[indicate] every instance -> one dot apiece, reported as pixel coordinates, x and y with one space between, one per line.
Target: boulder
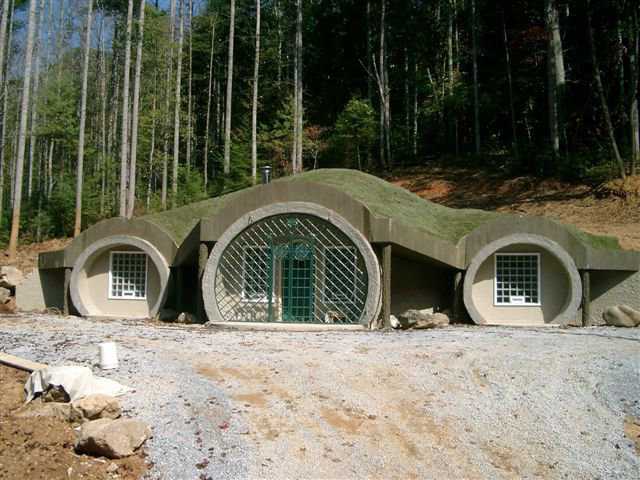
422 319
5 293
186 317
61 411
167 315
10 277
9 306
621 316
93 407
112 438
394 322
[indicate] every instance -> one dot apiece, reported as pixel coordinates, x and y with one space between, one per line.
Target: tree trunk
4 62
4 20
83 119
34 100
124 142
131 202
103 121
227 115
474 55
208 115
254 107
177 108
299 96
507 56
555 78
22 135
168 91
634 121
189 87
602 98
153 138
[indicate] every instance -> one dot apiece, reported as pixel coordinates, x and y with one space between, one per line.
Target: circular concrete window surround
575 295
86 308
374 298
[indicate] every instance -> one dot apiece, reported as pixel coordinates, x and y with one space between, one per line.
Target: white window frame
146 274
495 279
246 298
354 294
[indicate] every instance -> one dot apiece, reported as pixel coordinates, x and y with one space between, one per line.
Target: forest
120 107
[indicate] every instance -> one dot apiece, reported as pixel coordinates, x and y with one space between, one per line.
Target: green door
297 283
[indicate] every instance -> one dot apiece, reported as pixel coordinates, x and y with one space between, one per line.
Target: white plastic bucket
108 355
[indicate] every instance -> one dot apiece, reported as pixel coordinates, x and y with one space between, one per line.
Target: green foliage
355 131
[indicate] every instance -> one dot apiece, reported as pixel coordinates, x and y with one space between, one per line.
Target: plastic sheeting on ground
78 382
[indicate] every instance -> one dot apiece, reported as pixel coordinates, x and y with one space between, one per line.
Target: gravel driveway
461 402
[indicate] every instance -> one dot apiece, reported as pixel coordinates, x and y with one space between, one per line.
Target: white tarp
78 382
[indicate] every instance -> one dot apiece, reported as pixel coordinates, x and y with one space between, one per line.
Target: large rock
5 293
10 277
621 316
422 319
9 306
166 315
112 438
187 318
93 407
61 411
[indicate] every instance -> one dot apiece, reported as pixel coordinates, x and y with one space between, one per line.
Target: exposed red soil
42 448
27 256
613 209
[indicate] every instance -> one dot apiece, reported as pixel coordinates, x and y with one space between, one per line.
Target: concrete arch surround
570 308
374 293
79 296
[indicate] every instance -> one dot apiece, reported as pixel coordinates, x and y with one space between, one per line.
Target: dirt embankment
42 447
613 209
27 256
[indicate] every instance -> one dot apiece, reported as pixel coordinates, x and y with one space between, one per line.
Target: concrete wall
554 290
609 288
95 288
41 289
419 285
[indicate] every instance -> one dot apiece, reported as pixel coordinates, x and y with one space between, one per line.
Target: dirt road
462 402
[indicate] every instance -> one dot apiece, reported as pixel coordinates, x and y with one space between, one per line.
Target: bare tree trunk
299 90
227 115
131 203
476 97
4 62
4 20
83 119
189 93
254 107
124 145
165 160
103 120
177 108
634 121
34 100
602 98
22 136
278 15
507 56
153 138
414 136
556 78
208 116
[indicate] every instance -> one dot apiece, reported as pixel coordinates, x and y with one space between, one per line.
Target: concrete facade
184 252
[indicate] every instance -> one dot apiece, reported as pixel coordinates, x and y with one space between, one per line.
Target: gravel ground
460 402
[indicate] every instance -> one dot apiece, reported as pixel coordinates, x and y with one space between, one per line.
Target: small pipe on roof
265 174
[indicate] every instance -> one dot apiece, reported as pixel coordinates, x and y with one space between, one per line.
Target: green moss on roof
179 222
381 197
388 200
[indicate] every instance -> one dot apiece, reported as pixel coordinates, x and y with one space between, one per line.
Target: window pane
516 279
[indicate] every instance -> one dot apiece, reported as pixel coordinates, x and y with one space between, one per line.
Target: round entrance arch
137 288
292 262
554 298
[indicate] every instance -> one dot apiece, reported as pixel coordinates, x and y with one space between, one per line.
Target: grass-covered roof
381 197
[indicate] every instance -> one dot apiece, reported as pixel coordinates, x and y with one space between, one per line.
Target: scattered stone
9 306
61 411
10 277
167 315
186 317
422 319
93 407
112 468
621 316
5 293
55 393
112 438
394 322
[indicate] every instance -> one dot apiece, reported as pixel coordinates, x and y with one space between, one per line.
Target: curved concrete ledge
84 306
569 309
374 293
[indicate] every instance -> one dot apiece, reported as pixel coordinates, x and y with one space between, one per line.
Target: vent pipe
265 173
